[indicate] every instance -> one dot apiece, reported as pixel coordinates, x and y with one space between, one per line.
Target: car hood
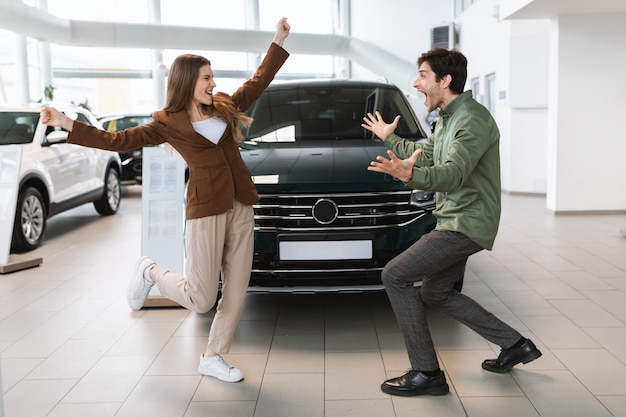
325 166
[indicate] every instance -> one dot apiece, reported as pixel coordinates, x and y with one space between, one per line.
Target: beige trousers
221 244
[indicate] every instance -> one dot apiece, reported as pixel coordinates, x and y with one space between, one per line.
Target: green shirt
460 162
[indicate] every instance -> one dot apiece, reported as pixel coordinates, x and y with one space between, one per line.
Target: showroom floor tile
70 346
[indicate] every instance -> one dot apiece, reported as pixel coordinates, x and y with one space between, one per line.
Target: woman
204 129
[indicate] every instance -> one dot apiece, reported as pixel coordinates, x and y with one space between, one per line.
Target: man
460 162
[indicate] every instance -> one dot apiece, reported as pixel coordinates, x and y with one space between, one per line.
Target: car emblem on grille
325 211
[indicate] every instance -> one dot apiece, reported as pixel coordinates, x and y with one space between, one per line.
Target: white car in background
55 176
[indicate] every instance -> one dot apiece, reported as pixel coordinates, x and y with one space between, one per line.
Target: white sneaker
140 283
217 367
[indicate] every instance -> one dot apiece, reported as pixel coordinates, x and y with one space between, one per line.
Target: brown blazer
217 173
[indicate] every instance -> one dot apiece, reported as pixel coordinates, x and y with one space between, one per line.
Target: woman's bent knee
204 306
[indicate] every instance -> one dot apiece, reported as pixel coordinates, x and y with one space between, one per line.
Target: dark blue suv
324 222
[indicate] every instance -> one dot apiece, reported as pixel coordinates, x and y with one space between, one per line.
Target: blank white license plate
327 250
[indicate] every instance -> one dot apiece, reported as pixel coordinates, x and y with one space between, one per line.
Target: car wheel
110 200
30 221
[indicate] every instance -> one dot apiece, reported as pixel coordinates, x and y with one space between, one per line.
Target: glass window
475 86
8 75
17 128
326 112
229 14
120 79
109 11
312 17
490 93
461 5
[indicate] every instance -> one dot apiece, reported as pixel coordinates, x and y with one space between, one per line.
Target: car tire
30 221
110 200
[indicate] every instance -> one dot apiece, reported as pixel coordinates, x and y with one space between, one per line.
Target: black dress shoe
416 383
508 358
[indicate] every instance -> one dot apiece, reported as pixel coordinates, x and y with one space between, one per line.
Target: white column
159 71
45 60
21 62
252 23
586 170
45 66
341 26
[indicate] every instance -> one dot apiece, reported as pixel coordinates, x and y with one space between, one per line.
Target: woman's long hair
180 88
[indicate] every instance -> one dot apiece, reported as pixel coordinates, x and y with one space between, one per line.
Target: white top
212 128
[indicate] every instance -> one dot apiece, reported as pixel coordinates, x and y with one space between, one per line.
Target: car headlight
422 199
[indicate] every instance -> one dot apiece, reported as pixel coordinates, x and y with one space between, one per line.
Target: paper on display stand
163 208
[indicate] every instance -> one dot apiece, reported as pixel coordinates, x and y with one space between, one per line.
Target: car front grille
341 211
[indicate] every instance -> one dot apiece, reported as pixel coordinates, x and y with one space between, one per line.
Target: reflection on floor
70 346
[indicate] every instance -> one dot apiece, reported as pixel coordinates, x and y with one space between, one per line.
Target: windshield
326 112
17 127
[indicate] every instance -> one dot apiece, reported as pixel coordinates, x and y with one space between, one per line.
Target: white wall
586 111
401 27
526 106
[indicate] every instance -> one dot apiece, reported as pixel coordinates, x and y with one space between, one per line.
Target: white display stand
163 214
10 161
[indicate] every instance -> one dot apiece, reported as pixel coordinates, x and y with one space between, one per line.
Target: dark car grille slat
355 211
